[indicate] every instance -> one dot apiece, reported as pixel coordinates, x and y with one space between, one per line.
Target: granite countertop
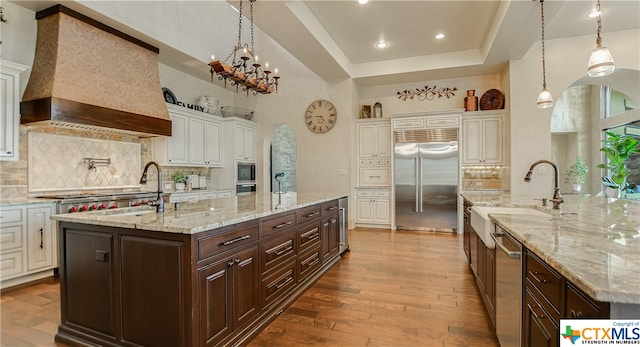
199 216
593 241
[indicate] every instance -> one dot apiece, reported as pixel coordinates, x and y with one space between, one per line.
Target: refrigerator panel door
406 188
439 186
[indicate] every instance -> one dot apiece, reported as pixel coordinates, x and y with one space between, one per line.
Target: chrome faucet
159 204
557 198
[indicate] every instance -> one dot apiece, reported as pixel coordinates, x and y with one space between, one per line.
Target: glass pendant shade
545 100
600 62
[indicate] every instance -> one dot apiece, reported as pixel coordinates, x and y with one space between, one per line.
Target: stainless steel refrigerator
426 179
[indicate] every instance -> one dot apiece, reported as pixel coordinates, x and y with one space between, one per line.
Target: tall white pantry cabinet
373 203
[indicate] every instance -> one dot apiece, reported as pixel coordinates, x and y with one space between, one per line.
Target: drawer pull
312 214
283 251
533 311
314 262
311 234
535 274
282 225
575 314
241 238
332 208
280 285
374 176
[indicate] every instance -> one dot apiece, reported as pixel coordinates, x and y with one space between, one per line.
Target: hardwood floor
393 289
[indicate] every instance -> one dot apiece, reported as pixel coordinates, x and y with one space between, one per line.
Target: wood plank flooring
393 289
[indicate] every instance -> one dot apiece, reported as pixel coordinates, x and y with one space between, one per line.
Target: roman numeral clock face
321 116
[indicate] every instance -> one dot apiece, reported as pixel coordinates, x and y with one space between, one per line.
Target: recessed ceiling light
363 1
594 13
440 36
382 44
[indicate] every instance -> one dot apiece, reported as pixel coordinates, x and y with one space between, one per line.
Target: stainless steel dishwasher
508 288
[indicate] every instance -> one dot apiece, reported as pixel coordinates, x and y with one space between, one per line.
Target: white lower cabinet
28 243
372 206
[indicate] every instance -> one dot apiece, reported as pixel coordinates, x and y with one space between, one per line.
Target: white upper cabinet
482 140
9 108
196 139
374 140
245 141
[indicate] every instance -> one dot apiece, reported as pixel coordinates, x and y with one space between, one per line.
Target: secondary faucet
557 198
159 204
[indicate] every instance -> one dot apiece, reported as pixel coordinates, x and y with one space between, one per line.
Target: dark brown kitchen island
212 273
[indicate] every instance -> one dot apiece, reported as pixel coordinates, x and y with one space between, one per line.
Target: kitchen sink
484 226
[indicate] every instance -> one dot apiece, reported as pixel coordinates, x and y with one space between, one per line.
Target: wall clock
320 116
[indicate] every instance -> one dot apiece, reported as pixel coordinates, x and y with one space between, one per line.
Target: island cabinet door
229 295
329 237
539 330
152 300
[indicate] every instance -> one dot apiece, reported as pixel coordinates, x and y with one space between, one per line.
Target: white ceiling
336 38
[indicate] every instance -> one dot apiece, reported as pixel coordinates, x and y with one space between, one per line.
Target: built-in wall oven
508 288
246 172
245 188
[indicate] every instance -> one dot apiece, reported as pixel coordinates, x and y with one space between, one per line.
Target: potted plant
617 149
180 179
576 175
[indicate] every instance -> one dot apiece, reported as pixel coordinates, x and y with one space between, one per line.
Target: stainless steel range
72 203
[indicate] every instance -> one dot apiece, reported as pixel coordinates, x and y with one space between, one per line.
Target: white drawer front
382 193
408 124
443 122
375 176
225 193
208 196
11 237
10 216
11 264
184 198
364 193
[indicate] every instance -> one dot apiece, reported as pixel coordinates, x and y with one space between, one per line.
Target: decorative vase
471 101
577 187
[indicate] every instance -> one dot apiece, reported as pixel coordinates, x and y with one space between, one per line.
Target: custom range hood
87 75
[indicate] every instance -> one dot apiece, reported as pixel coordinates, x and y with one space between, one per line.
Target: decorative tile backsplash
57 162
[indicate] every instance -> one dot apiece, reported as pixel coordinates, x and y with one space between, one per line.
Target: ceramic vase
471 101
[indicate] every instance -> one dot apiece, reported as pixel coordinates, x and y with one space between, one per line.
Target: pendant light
545 100
601 61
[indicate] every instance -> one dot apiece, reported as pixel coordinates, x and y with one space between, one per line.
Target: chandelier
243 72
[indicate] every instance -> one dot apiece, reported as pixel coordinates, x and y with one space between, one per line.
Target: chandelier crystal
601 61
545 100
245 71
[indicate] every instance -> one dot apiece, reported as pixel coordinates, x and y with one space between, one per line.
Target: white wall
566 62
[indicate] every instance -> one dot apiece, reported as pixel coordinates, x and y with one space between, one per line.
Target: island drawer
330 207
309 262
309 213
546 280
216 244
580 306
308 234
278 283
277 224
277 249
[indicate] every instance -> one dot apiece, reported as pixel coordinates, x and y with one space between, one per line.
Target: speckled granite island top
199 216
594 242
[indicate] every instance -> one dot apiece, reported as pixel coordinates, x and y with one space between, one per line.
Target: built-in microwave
246 172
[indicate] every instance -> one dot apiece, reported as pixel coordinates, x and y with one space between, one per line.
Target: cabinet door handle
332 220
282 225
535 277
575 314
241 238
280 285
230 263
312 214
533 311
41 238
283 251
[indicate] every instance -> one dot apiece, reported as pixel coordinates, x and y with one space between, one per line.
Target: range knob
136 203
93 207
102 206
73 209
83 208
113 206
144 202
